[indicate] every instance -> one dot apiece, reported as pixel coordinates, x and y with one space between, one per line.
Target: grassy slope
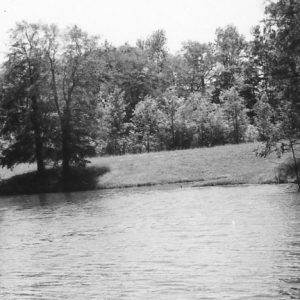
228 164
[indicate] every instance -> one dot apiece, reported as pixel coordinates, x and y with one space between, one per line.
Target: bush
286 171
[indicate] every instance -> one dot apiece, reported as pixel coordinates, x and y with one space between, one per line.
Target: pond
165 243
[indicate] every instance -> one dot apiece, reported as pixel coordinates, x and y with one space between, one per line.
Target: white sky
120 21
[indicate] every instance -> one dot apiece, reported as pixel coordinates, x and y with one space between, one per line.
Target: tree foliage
49 96
276 48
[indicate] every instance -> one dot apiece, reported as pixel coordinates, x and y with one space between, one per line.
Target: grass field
221 165
229 164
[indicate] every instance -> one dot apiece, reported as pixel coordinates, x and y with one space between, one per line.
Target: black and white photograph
149 149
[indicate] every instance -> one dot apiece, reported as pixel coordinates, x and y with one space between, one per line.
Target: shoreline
197 183
217 166
190 183
182 184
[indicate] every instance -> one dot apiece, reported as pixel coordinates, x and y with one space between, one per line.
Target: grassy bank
229 164
221 165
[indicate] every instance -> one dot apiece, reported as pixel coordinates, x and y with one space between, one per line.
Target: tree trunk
36 123
180 139
148 142
65 159
236 129
39 156
295 165
37 136
173 133
66 149
202 84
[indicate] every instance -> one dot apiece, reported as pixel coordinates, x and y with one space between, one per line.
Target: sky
121 21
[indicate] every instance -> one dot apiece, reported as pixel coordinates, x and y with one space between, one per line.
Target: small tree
283 136
170 104
146 118
264 116
236 113
114 120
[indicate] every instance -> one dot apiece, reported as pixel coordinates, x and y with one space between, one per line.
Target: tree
146 119
72 63
114 120
229 51
50 97
280 66
129 69
155 47
170 104
25 107
199 59
283 136
264 117
205 120
234 109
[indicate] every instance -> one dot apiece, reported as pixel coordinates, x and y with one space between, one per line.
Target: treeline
65 96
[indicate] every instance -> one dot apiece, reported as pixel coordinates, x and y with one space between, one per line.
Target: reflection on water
190 243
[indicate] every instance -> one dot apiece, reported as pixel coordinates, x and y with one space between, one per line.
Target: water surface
182 243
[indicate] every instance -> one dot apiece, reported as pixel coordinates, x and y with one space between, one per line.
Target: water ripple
188 243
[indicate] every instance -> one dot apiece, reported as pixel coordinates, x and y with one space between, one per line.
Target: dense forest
66 96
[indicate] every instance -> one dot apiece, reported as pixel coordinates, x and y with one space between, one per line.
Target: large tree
49 97
25 107
71 59
229 49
